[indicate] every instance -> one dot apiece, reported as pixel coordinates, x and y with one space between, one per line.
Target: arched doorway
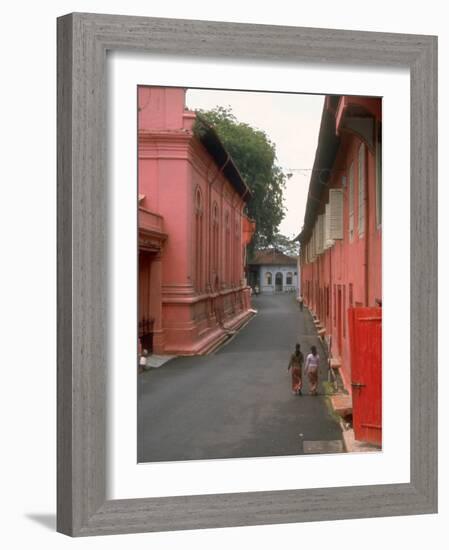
278 282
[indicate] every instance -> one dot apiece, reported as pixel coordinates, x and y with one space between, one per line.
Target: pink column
156 304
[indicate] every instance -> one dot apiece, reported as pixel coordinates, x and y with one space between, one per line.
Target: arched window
198 199
268 278
198 239
214 238
228 258
236 254
289 279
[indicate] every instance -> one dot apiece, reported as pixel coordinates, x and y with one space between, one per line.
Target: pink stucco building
341 240
193 230
341 251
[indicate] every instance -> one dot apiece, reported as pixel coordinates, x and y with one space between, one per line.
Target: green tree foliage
285 245
255 157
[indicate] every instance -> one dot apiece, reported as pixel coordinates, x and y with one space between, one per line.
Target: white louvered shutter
317 236
362 189
320 223
312 246
351 202
335 214
327 227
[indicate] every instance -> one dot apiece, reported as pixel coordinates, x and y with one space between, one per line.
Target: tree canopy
255 157
285 245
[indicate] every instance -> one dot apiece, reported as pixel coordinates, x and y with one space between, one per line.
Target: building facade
272 271
341 238
193 231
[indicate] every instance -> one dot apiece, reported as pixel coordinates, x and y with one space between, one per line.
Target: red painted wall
202 288
349 273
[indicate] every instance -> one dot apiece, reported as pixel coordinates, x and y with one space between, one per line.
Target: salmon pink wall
349 271
203 293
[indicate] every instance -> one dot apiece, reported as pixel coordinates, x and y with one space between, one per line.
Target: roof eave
215 147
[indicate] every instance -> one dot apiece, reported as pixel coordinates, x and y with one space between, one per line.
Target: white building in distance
273 271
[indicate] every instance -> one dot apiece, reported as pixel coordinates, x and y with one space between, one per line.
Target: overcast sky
291 121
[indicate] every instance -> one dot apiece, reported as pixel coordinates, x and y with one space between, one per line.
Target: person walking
301 302
295 364
143 360
311 369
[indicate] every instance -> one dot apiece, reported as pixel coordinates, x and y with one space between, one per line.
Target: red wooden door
365 339
339 322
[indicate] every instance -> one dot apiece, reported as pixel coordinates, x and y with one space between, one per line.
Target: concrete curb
352 446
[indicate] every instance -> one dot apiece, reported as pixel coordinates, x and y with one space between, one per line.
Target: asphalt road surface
238 401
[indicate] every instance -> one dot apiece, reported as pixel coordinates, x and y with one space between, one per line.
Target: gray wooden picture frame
83 40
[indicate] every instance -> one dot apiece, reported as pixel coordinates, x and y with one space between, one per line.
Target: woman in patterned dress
296 362
311 369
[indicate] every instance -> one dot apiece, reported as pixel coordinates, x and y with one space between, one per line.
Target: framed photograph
229 311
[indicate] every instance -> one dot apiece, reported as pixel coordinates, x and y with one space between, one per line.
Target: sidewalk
340 400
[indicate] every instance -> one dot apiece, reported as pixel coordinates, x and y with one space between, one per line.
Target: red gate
365 338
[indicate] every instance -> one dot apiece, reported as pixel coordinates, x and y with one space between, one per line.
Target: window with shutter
322 222
327 227
351 202
379 175
335 214
313 245
362 189
319 234
322 219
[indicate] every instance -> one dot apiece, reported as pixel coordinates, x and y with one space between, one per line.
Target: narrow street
238 401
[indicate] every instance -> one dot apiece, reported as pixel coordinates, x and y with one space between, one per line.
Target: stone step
336 362
342 404
351 445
